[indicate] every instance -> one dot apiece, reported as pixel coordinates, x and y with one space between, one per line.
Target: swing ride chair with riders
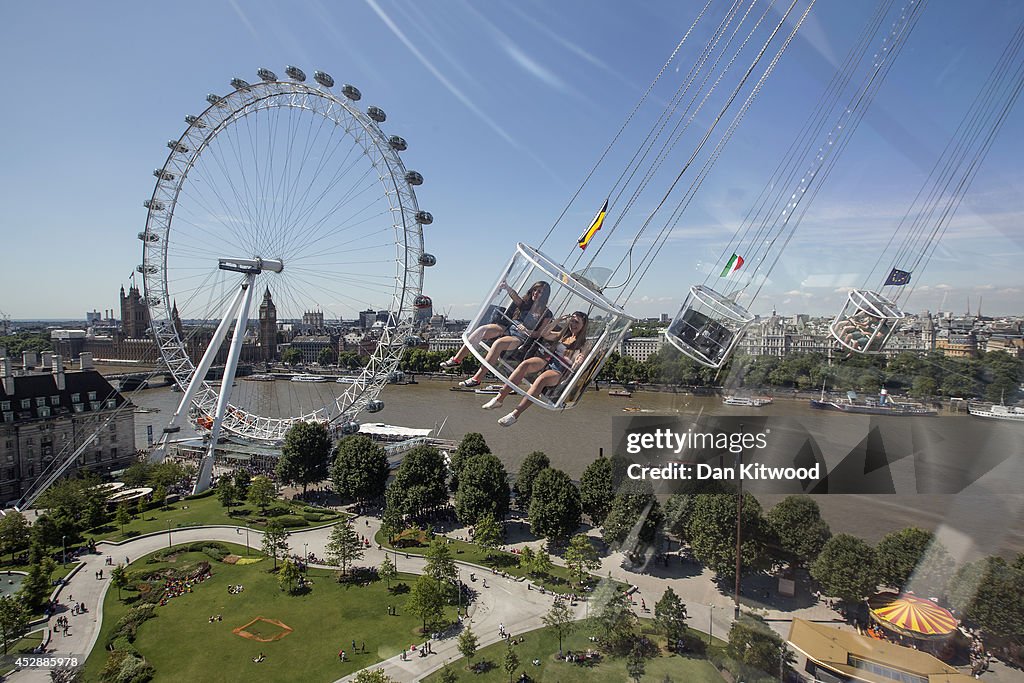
606 327
708 326
866 322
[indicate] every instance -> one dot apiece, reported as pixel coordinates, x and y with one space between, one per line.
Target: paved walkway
507 602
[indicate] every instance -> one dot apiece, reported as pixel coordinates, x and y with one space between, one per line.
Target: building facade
47 415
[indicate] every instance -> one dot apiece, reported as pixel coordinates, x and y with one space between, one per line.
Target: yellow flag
595 225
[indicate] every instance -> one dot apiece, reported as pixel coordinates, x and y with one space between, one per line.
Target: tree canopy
712 533
483 489
419 483
305 455
534 463
555 510
360 470
635 515
597 490
847 568
797 525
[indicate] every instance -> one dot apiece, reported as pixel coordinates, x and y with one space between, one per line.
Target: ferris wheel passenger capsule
295 73
397 143
163 174
176 146
428 260
266 75
352 92
708 326
375 406
424 217
195 121
323 78
413 178
504 333
239 84
377 114
216 100
350 428
147 236
866 322
153 204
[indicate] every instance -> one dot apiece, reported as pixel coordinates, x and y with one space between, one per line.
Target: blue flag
898 277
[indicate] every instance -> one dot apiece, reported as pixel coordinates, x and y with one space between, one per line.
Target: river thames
980 459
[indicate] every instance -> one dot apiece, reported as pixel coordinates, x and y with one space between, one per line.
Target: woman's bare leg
548 378
482 333
497 348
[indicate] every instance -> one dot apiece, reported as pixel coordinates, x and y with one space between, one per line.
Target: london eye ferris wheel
284 190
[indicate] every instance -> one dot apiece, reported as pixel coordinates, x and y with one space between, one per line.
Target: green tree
797 524
468 643
483 489
555 510
511 661
419 483
847 568
275 540
900 553
472 444
119 577
391 523
13 619
581 557
448 675
226 493
387 571
160 496
372 676
262 492
123 516
305 454
615 618
924 387
360 470
36 587
635 515
344 546
487 533
755 644
560 620
327 356
534 464
987 592
241 480
14 533
640 650
596 490
670 617
426 601
291 356
712 533
526 559
440 565
541 564
289 575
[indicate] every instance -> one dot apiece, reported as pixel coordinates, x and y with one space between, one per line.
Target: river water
983 458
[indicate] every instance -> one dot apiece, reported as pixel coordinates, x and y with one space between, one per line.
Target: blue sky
505 107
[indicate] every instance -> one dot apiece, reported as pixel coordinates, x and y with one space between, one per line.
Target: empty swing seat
708 326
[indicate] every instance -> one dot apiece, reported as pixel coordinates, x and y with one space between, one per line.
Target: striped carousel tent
911 616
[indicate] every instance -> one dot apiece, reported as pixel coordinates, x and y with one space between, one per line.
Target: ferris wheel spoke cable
625 123
230 209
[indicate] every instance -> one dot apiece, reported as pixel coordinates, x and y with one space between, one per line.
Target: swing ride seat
708 326
606 327
866 322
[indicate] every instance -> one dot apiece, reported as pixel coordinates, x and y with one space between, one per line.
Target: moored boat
747 401
997 412
489 389
625 393
308 378
883 406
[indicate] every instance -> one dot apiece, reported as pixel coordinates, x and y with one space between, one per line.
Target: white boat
746 401
346 380
997 412
308 378
492 389
260 378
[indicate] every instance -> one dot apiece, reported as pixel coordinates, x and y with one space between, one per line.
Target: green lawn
556 580
182 644
542 645
208 510
23 646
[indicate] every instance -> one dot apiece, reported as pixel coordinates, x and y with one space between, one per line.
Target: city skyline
505 107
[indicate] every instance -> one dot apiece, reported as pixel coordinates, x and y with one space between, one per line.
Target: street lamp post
63 551
711 623
247 540
305 552
168 533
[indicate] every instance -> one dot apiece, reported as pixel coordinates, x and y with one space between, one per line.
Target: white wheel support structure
300 193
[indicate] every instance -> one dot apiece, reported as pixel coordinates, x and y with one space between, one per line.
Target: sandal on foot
469 383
